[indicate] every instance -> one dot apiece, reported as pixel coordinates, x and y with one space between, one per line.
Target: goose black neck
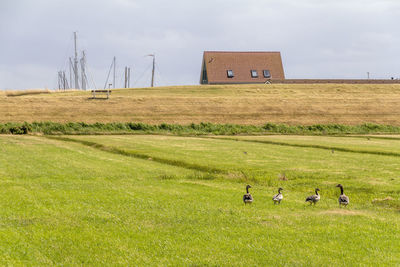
316 192
247 190
279 190
341 190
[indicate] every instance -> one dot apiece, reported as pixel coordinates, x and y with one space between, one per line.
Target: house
241 67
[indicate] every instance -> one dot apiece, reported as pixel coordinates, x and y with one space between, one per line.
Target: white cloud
318 39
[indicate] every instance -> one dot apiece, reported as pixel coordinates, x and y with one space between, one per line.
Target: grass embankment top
293 104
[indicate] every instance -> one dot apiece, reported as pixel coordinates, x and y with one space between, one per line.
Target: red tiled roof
217 63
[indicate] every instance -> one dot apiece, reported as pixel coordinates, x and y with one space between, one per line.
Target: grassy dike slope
164 200
239 104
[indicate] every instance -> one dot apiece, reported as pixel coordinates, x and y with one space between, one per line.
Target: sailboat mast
76 65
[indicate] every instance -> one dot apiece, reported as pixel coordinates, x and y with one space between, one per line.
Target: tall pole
76 64
129 77
70 71
152 72
66 86
83 63
126 77
114 73
64 80
59 82
108 75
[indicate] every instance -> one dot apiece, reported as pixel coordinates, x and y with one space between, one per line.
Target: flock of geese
313 199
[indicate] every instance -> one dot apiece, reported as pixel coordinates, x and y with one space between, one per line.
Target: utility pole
70 71
76 65
64 80
114 72
109 72
127 77
59 80
368 75
152 72
83 63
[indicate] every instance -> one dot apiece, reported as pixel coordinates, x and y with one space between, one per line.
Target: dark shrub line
15 128
54 128
115 150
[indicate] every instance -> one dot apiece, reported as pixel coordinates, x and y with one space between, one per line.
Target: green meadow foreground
168 200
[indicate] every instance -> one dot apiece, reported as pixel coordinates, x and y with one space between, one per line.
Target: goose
278 197
314 198
247 198
343 199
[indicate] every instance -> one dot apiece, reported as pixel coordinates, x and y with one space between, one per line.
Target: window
204 78
230 73
254 74
267 74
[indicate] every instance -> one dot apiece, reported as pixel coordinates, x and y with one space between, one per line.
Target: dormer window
254 74
267 74
229 73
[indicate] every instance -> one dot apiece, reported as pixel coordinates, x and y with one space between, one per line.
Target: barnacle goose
247 198
314 198
277 198
343 199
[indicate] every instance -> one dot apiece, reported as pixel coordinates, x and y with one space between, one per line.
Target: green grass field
177 201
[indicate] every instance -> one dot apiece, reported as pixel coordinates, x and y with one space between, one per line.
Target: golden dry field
240 104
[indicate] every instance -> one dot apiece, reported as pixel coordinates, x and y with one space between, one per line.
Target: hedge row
53 128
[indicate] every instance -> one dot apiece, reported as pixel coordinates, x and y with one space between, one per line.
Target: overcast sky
316 38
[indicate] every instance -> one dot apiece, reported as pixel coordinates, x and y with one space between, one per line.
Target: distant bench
108 92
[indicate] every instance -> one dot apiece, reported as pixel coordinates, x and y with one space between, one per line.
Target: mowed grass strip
378 143
314 144
264 163
115 150
66 203
296 104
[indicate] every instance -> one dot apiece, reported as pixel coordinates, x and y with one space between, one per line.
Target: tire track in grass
342 149
115 150
375 137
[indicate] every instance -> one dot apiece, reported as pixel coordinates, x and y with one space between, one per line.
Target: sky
316 38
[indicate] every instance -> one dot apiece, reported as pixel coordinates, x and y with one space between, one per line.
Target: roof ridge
241 51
